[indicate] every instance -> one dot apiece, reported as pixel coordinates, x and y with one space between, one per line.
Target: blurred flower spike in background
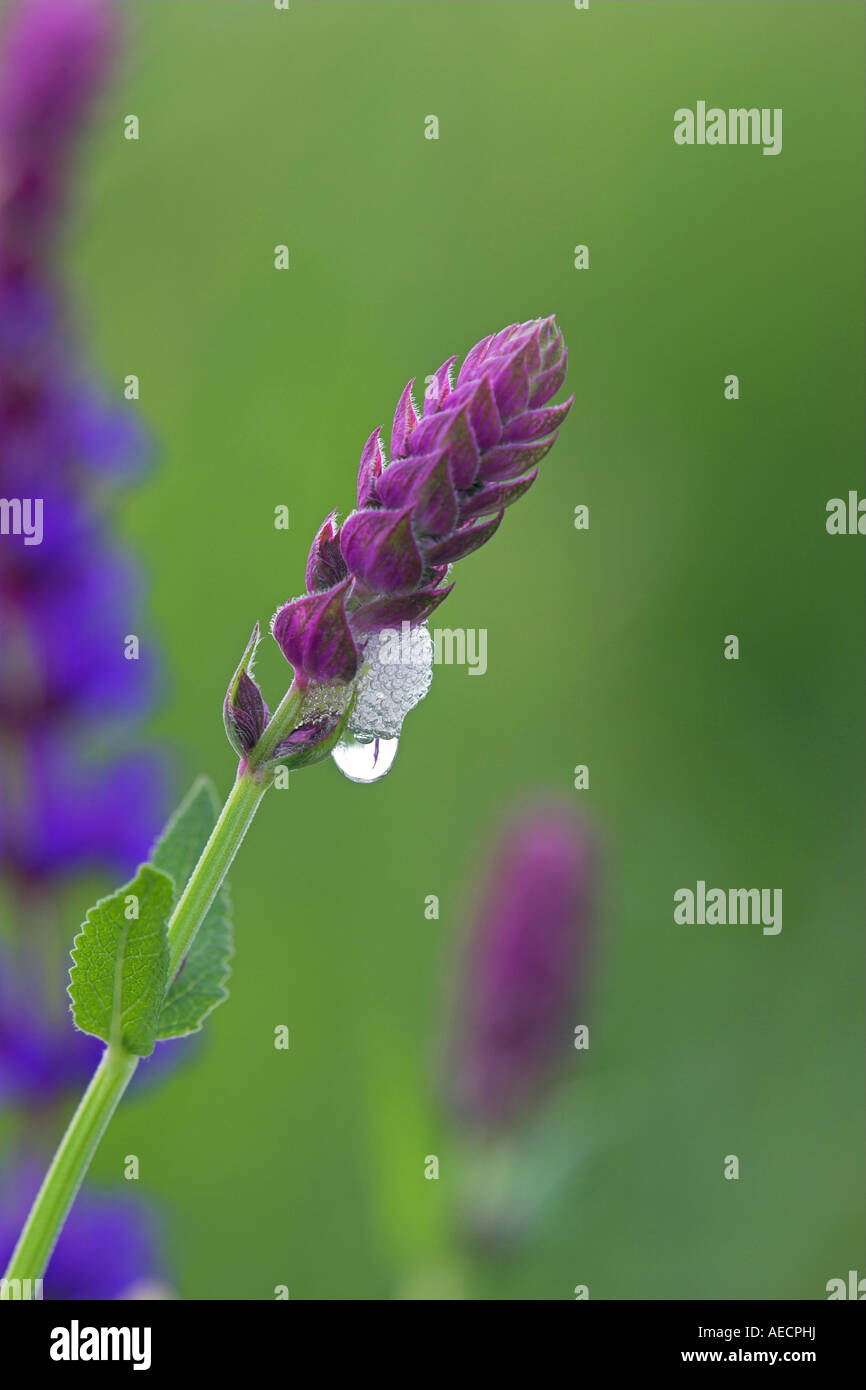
522 982
74 796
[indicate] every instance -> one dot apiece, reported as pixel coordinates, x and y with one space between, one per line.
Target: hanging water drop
365 760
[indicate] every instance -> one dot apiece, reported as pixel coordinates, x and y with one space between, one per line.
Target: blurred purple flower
41 1056
68 602
107 1248
523 970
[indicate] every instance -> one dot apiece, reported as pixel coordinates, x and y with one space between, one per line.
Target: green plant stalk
69 1165
115 1071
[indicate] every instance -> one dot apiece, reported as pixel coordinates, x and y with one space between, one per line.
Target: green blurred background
306 127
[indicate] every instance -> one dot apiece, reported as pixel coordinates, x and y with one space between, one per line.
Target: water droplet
365 760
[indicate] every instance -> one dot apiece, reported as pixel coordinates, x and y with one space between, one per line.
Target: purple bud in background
66 603
55 59
522 977
75 793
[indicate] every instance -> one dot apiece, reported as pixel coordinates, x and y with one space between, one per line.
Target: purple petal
510 381
484 416
456 435
405 420
473 360
509 460
437 393
548 383
380 550
393 612
424 485
495 497
325 564
369 470
535 423
463 542
314 636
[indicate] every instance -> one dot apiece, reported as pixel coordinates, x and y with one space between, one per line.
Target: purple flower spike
245 713
523 970
453 471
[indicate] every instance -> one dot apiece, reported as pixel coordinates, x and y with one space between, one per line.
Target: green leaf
201 983
120 963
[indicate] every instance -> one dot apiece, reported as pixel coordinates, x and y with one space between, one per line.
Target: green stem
69 1166
114 1073
204 882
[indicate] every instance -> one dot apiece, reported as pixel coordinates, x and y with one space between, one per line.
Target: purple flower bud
313 634
523 970
405 420
464 541
437 393
472 453
245 713
370 470
325 564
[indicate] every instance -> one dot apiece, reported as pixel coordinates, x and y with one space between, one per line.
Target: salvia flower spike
470 452
456 464
523 970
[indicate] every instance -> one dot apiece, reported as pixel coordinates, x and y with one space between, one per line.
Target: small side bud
245 713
